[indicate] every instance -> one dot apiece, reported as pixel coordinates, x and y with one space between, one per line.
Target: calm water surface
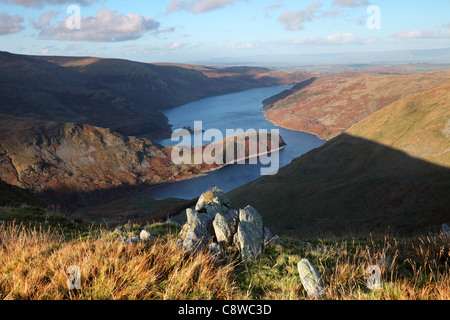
241 110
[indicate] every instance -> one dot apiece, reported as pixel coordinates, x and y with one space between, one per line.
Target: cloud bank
295 20
104 26
42 3
10 24
197 6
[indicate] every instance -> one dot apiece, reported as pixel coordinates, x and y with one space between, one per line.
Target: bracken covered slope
390 170
66 162
330 104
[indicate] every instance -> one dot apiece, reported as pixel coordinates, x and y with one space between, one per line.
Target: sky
197 31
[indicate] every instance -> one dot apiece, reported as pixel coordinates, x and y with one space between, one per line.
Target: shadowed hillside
391 169
75 164
122 95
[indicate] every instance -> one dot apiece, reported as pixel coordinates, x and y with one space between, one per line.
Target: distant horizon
266 61
196 31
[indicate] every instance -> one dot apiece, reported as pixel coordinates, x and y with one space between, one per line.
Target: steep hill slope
391 169
122 95
71 163
329 105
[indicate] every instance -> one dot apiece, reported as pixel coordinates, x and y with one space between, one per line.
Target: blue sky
201 30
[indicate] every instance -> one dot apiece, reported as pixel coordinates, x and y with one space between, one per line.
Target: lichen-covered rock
311 279
250 234
197 232
214 196
145 236
225 226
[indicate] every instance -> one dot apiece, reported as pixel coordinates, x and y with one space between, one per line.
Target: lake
241 110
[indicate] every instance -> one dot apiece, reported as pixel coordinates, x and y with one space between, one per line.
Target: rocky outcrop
216 225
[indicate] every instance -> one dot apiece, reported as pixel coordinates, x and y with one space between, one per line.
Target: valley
91 135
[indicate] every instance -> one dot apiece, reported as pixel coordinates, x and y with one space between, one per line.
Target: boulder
197 232
145 236
135 240
311 279
214 196
250 233
225 226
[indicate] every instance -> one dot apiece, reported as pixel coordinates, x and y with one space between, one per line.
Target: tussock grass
34 260
411 269
33 265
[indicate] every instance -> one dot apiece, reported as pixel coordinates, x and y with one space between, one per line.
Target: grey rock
250 234
225 226
120 230
197 232
145 236
446 230
215 250
219 197
311 279
135 240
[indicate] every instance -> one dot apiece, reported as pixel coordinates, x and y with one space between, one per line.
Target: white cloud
45 19
334 39
175 45
270 8
423 34
42 3
10 24
351 3
197 6
240 46
295 20
104 26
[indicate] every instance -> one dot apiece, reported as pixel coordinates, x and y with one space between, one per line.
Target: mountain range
78 131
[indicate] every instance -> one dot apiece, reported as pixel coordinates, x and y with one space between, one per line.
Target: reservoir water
241 110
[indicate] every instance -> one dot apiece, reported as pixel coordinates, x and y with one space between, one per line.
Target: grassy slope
333 103
35 257
391 169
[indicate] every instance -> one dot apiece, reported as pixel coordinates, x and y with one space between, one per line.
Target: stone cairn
216 225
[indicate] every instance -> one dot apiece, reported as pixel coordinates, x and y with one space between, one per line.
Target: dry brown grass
34 262
411 269
33 265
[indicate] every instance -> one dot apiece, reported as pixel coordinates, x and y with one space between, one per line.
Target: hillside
330 104
71 163
391 169
124 96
